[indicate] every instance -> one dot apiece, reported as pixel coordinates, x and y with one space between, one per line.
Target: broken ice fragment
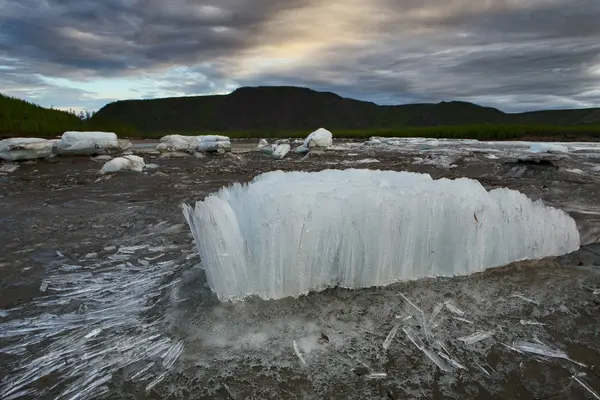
436 311
130 249
359 361
413 338
93 333
142 371
539 349
297 351
526 322
419 345
44 286
586 387
155 257
520 296
390 337
156 381
453 362
173 354
453 309
511 348
436 360
463 320
483 369
543 350
377 375
420 312
476 337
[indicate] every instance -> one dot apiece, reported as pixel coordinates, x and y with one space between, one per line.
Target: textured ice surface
286 234
17 149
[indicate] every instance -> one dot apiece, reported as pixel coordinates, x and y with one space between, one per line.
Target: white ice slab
286 234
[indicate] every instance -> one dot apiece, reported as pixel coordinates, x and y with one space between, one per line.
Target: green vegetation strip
480 132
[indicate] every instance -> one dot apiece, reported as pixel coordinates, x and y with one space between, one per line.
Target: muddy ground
61 219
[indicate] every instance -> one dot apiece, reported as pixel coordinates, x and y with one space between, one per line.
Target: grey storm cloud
513 54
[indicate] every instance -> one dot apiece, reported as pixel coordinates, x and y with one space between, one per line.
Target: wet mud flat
101 295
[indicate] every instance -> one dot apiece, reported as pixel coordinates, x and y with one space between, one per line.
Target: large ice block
18 149
285 234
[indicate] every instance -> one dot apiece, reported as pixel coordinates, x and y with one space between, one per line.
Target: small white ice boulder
126 163
319 138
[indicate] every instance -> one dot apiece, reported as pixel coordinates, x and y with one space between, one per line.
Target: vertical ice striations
286 234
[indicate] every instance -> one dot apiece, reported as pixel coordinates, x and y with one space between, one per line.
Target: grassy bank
480 132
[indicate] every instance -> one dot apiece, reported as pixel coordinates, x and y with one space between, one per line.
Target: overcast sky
512 54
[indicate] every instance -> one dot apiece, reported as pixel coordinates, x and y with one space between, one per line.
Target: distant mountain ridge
296 108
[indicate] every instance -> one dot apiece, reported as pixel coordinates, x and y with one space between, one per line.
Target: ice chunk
539 349
476 337
8 168
363 161
177 143
125 163
362 228
278 151
297 351
377 375
281 151
190 144
212 138
548 148
453 309
388 340
89 143
527 299
18 149
213 145
319 138
262 143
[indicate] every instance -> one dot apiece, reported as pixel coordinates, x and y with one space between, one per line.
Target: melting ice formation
285 234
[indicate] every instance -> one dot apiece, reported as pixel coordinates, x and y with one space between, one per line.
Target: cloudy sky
512 54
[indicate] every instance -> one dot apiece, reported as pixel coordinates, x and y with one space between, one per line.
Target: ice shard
287 233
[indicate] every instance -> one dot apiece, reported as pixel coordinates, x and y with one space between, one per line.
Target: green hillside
294 111
18 117
21 118
275 109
